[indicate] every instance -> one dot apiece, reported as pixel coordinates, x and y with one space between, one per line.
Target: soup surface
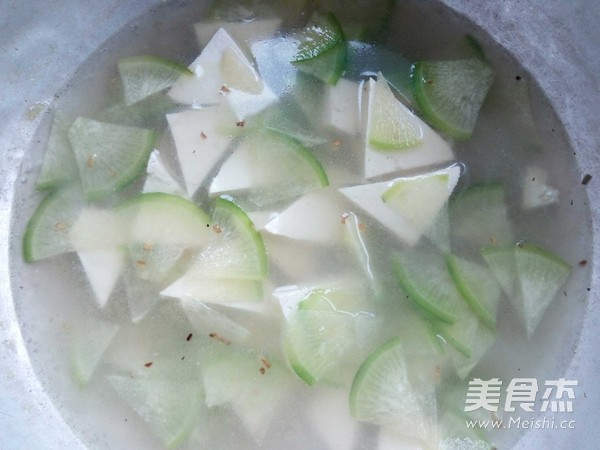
291 257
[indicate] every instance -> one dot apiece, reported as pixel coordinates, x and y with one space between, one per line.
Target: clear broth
51 296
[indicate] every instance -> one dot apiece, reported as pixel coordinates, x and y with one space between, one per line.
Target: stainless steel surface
42 44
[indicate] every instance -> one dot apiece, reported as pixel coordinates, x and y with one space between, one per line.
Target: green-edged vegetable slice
322 33
322 50
423 276
48 231
171 409
390 125
88 344
109 156
160 228
143 76
253 385
450 93
235 249
384 393
268 168
478 287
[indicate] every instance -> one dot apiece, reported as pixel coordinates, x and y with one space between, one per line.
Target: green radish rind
322 50
143 76
268 168
174 208
391 126
386 391
321 34
109 156
328 66
477 286
227 213
47 232
530 276
424 278
319 343
450 93
390 346
541 273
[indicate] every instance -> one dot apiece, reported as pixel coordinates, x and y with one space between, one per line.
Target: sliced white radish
251 384
89 342
341 106
200 142
159 178
316 216
430 150
416 211
103 268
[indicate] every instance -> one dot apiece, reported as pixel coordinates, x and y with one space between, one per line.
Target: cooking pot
43 43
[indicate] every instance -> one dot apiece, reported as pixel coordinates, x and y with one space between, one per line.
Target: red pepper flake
217 228
583 262
148 364
266 363
344 218
219 338
493 240
60 226
262 370
203 135
241 123
429 81
141 263
224 90
586 179
147 246
91 160
362 227
336 143
189 337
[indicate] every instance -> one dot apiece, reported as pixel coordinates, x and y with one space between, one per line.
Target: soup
349 286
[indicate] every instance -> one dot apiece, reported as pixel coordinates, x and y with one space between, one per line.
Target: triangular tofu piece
200 141
159 178
223 72
315 217
407 206
103 268
427 151
341 109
